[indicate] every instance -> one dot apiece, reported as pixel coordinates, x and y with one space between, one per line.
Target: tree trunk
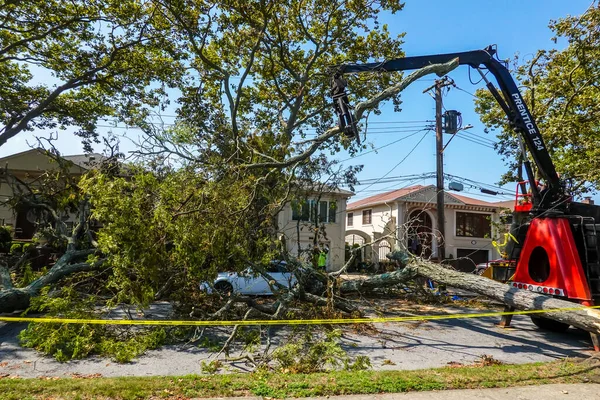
586 319
377 281
13 300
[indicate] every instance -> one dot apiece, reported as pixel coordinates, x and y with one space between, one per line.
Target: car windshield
272 267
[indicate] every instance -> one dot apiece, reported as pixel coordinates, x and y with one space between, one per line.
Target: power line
466 91
396 178
430 175
412 179
386 131
403 125
474 181
400 122
385 145
410 183
474 141
383 128
399 162
478 136
479 185
491 196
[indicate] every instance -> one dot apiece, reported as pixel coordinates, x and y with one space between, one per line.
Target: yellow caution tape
337 321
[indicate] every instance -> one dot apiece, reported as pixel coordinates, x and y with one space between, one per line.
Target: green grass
321 384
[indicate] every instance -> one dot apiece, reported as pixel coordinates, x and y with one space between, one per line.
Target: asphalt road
403 346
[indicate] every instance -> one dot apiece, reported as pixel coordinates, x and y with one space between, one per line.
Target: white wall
381 215
334 232
384 222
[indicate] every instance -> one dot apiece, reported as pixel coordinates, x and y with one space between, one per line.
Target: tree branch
337 302
63 268
438 69
5 280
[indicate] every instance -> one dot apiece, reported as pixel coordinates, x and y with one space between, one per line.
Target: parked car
480 268
499 270
251 282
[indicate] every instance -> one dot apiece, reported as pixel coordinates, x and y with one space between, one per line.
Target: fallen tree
577 315
580 317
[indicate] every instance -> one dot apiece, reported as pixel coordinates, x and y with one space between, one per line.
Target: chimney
588 200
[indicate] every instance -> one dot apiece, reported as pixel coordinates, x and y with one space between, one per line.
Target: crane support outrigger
557 251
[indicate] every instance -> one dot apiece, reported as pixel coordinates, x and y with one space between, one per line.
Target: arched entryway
358 239
420 233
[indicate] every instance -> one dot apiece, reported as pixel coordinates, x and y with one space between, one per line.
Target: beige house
27 167
325 208
409 217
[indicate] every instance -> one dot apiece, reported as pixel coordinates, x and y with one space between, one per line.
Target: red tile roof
510 204
395 194
383 197
473 202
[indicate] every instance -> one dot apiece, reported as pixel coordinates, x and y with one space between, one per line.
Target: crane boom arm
511 102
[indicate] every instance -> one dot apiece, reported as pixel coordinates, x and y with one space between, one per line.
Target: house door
420 233
469 258
25 223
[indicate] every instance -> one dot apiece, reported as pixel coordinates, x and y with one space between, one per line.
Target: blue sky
432 26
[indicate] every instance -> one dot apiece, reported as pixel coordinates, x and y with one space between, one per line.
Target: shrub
211 367
28 275
361 363
308 355
28 247
16 248
75 341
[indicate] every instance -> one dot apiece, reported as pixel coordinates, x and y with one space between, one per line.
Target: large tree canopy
254 117
562 90
258 73
69 63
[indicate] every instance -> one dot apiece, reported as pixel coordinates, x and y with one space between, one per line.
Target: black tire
549 324
223 287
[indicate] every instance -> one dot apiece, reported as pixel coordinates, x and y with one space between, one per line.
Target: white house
409 213
323 208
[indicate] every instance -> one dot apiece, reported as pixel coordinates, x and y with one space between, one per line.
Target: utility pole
439 152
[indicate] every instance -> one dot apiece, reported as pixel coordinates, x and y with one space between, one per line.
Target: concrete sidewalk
579 391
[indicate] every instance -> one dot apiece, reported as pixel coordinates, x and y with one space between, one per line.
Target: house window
323 211
473 225
327 211
300 210
366 217
310 210
332 207
350 219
